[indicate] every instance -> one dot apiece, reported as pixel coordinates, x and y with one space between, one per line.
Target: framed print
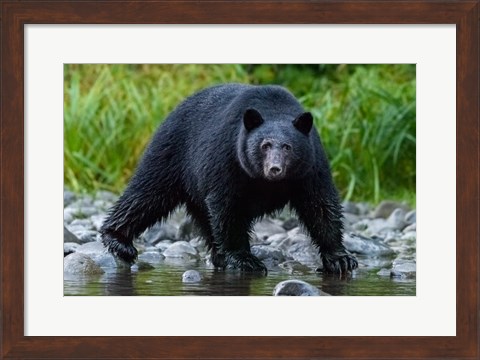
39 37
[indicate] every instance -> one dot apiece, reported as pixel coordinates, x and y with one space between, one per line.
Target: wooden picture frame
15 14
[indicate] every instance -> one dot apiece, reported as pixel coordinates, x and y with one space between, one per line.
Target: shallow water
166 279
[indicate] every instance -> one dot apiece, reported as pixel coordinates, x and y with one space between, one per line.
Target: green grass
365 115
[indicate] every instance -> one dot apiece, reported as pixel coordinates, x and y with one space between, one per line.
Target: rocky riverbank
382 237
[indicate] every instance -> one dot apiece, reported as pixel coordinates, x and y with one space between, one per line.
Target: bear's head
276 148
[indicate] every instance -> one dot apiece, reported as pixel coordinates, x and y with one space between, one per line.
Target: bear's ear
303 122
252 119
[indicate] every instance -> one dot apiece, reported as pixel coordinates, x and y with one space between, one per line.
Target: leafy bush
364 113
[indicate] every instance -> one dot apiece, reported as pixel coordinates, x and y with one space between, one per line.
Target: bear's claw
338 263
245 261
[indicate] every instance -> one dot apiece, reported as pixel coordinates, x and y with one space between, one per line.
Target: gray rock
83 201
297 246
84 236
361 225
90 248
197 241
186 230
150 248
373 262
83 212
159 232
68 215
411 217
294 267
409 228
290 223
191 276
99 254
264 252
408 255
81 209
286 241
384 272
373 227
68 237
199 244
410 235
102 205
151 257
349 220
69 248
366 246
276 240
181 249
68 198
80 264
363 208
255 240
106 196
163 245
178 216
350 208
404 269
268 254
296 288
396 220
385 209
85 224
76 228
97 221
392 237
266 228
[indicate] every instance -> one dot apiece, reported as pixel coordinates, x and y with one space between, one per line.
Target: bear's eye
287 147
266 146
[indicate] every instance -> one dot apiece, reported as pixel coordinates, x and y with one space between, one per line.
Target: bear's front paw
218 259
122 250
338 263
245 261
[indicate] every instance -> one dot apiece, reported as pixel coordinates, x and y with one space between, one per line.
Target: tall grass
365 115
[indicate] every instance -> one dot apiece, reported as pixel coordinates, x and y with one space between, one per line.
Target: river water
166 280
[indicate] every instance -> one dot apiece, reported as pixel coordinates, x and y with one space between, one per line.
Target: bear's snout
274 172
274 166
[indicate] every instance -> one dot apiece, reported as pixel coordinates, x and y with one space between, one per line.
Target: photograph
239 179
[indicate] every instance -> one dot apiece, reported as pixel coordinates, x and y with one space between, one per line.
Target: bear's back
215 114
228 102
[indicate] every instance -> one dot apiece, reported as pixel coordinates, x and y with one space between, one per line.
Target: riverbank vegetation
365 114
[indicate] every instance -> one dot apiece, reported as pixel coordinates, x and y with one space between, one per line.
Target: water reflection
166 280
120 283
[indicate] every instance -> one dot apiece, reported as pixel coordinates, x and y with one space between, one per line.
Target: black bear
232 154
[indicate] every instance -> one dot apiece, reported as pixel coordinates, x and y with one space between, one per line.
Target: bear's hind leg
200 219
135 211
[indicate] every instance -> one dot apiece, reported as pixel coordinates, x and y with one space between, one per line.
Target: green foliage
364 113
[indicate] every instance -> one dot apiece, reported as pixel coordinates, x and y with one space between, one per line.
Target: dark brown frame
14 14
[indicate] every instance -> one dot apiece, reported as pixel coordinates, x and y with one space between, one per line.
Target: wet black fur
207 156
